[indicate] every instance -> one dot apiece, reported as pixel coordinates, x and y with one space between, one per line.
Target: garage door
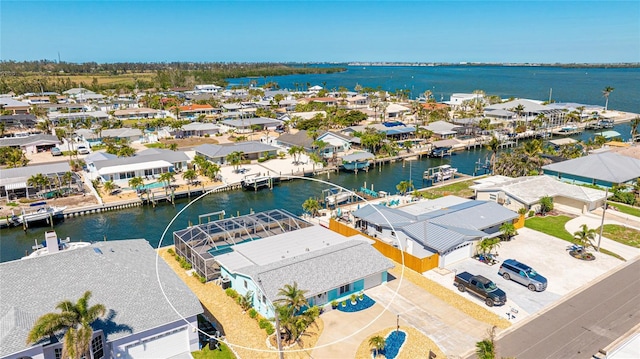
162 346
459 253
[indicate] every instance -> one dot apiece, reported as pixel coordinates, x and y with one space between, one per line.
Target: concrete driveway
544 253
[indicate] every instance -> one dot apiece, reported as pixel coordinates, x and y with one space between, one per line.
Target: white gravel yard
544 253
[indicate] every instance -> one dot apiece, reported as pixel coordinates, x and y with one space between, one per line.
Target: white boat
440 173
53 244
338 198
44 213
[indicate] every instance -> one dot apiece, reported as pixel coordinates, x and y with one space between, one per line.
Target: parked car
519 272
55 151
481 287
83 150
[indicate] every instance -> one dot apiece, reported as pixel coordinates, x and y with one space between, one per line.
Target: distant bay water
569 85
581 85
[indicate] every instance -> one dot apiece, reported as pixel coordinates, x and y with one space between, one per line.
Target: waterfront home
148 164
334 142
357 101
604 169
458 100
300 138
338 142
248 125
16 107
13 181
209 89
442 129
526 192
530 109
447 226
32 143
251 150
393 130
146 318
262 252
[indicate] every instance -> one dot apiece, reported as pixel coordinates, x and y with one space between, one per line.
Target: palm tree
292 296
585 236
295 152
109 186
493 145
67 177
378 343
635 122
136 183
605 93
312 206
166 178
190 176
235 159
486 348
508 231
75 320
404 186
288 309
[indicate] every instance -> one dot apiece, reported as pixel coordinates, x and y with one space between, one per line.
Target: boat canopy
358 156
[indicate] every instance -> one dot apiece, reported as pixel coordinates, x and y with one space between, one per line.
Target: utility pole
604 210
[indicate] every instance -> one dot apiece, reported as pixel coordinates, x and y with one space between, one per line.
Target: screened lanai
202 243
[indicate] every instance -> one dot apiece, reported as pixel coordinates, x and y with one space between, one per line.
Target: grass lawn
205 353
621 234
460 189
554 226
626 209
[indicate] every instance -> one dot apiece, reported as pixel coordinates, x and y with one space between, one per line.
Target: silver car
511 269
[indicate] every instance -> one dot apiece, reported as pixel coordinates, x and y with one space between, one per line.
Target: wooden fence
417 264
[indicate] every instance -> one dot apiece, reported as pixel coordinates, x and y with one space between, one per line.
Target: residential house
457 100
148 164
604 169
94 116
32 143
393 131
81 95
262 252
136 113
526 192
151 313
249 125
209 89
337 142
193 111
449 226
442 130
357 101
13 181
199 129
251 150
22 121
14 106
396 111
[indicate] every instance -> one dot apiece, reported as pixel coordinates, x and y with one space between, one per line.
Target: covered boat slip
200 244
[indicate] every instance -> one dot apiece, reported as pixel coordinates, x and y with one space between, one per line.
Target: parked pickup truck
482 287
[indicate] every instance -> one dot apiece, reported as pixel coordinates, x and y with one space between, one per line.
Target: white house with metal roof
602 169
448 226
151 313
526 192
147 164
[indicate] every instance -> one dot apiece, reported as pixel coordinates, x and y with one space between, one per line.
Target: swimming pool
225 248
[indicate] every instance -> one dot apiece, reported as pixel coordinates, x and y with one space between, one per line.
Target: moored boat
52 244
43 214
440 173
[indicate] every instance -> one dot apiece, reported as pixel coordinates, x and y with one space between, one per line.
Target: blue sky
314 31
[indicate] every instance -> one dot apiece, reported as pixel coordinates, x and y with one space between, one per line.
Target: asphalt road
583 324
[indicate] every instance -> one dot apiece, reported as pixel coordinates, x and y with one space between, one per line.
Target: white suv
83 150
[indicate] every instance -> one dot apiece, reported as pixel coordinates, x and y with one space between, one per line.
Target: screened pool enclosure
202 243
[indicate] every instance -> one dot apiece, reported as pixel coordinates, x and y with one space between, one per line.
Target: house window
57 352
97 347
345 289
379 229
245 283
492 196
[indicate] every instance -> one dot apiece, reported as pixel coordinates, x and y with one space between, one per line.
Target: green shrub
206 135
171 252
203 280
231 293
344 303
263 323
262 159
270 330
531 213
253 313
334 304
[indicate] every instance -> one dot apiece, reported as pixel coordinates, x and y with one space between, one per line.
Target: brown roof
434 106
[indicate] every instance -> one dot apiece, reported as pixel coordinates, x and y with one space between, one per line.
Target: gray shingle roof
322 270
248 122
41 139
606 166
299 138
120 274
214 151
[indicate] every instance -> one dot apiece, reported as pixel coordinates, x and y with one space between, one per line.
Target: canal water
149 223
